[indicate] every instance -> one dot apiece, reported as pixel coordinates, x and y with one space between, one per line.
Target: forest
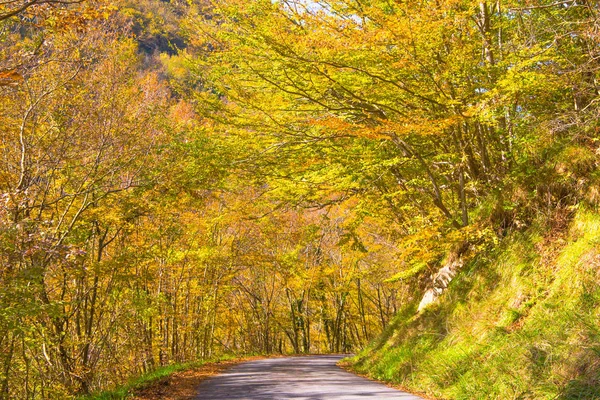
413 181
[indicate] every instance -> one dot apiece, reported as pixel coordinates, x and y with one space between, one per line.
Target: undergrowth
140 382
519 322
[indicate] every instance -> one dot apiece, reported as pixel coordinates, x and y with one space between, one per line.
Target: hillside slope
518 322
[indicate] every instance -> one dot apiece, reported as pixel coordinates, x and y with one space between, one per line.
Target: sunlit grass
521 324
142 381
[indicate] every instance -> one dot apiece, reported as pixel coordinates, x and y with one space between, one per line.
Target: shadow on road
312 377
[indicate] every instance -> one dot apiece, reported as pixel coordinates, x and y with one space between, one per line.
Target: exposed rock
441 279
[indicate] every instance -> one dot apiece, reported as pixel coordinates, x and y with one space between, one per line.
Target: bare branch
11 8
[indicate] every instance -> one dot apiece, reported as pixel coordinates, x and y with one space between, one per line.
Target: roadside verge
173 382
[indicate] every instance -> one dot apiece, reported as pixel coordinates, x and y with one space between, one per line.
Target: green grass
127 390
520 322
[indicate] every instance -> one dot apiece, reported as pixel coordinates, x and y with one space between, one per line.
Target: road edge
347 366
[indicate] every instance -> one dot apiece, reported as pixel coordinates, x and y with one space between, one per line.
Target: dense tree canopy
185 179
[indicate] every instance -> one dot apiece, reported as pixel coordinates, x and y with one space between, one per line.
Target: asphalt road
313 377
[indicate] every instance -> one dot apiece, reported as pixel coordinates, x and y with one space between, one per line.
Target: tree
10 8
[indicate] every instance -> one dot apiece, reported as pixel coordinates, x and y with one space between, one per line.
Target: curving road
312 377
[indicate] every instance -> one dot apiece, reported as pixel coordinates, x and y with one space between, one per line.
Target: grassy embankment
520 322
